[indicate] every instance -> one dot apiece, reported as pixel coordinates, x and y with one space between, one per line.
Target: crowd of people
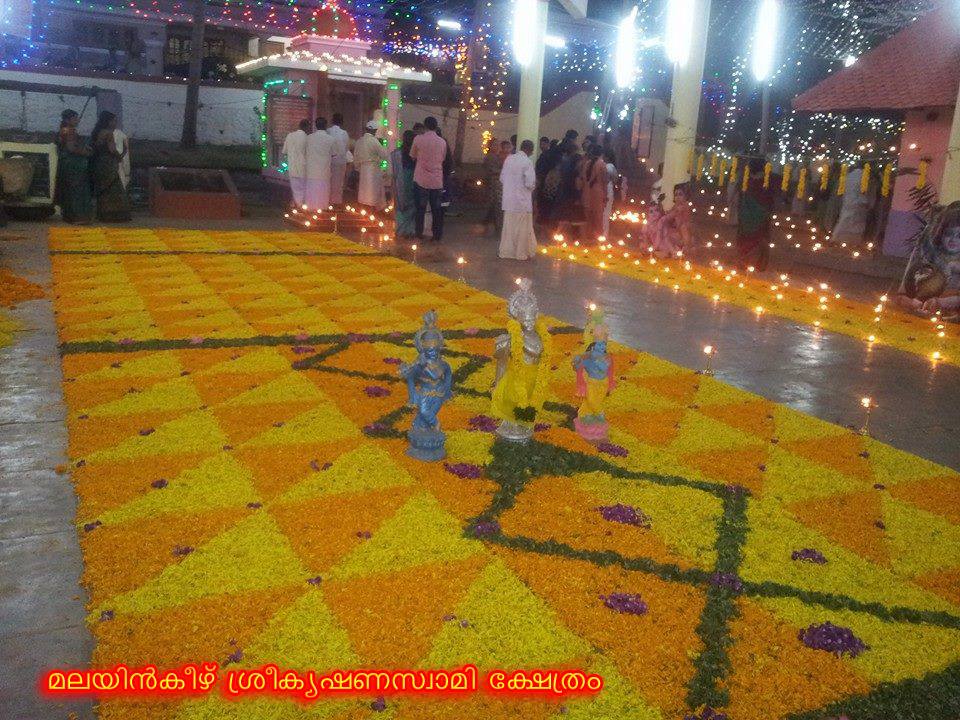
420 171
92 178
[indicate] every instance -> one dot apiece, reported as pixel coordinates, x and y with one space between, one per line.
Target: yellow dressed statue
523 370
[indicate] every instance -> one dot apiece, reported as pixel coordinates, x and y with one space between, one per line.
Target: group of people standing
575 185
570 186
420 171
317 163
92 178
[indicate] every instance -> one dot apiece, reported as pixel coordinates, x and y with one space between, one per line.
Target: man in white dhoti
517 240
122 144
368 156
319 154
338 165
295 151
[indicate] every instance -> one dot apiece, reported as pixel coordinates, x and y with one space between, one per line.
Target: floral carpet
811 304
236 443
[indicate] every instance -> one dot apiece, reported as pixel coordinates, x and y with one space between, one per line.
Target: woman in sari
567 209
111 197
73 179
593 184
548 184
402 165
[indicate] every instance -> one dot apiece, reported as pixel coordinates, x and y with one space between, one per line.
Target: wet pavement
816 372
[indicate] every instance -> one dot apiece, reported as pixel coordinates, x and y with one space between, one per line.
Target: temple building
913 75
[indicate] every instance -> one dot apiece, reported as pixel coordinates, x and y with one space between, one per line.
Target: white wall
151 110
574 114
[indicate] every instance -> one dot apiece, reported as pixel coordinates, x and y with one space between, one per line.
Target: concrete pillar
531 82
950 184
685 104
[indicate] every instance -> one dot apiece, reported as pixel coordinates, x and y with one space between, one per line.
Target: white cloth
298 188
319 154
341 142
338 169
295 150
368 153
338 165
853 212
519 179
517 239
123 170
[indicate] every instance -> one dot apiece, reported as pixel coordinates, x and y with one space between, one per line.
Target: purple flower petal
376 391
364 534
303 349
471 331
182 550
127 341
91 526
448 617
196 340
301 337
146 431
106 615
234 657
379 705
624 514
808 555
464 471
880 525
159 484
482 423
611 449
727 581
540 427
357 337
879 486
832 638
392 360
464 623
254 505
315 580
486 528
374 428
626 603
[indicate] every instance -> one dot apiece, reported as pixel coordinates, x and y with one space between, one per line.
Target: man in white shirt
319 155
295 150
517 240
368 156
338 165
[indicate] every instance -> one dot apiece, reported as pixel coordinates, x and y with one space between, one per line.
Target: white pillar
685 104
950 184
531 83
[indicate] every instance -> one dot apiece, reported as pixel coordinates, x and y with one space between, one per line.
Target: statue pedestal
426 445
513 432
592 432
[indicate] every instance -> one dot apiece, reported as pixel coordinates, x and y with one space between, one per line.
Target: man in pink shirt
429 150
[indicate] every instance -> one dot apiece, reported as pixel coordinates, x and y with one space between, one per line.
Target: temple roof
917 67
337 57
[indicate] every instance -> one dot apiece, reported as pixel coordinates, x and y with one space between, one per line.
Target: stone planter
186 193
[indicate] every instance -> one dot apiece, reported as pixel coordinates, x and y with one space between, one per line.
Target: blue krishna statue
429 380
